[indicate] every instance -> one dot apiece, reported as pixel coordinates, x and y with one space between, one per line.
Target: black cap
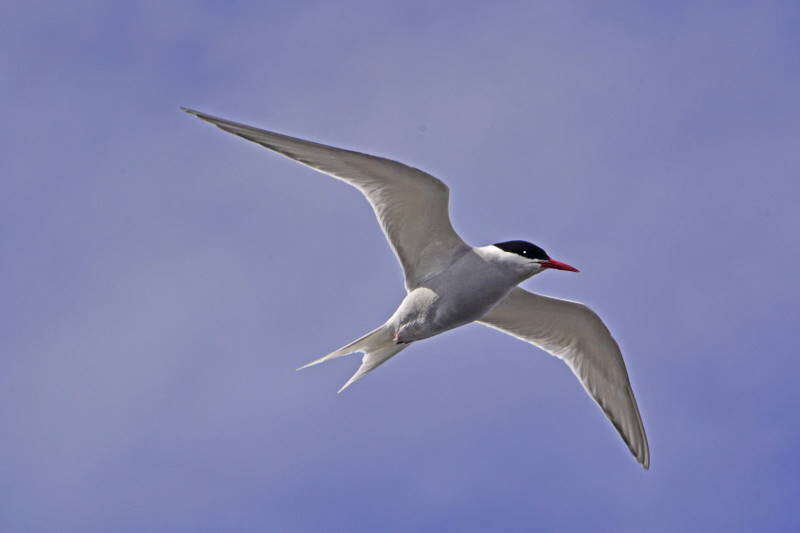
523 248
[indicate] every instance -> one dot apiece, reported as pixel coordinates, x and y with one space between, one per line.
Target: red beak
558 265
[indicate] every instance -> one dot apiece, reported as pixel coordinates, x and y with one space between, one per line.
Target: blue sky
162 279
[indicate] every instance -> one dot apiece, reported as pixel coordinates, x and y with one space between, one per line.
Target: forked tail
378 346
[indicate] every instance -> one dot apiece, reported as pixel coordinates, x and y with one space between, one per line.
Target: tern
450 283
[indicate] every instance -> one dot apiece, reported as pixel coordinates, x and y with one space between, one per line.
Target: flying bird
450 283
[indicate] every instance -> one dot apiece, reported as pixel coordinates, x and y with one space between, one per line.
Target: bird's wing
575 334
411 206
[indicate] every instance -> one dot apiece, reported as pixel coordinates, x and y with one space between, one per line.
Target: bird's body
450 284
460 294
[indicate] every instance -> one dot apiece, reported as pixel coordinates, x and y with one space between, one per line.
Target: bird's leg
398 339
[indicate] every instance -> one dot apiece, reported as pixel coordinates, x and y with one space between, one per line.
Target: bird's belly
465 306
426 312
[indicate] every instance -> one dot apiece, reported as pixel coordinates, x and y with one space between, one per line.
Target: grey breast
467 290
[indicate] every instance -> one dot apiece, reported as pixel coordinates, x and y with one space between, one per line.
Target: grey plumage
450 283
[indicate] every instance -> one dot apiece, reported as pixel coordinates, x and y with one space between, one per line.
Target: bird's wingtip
644 459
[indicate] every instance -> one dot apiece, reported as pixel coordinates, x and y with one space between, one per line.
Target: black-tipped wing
411 206
575 334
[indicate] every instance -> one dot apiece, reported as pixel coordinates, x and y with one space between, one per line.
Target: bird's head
527 259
